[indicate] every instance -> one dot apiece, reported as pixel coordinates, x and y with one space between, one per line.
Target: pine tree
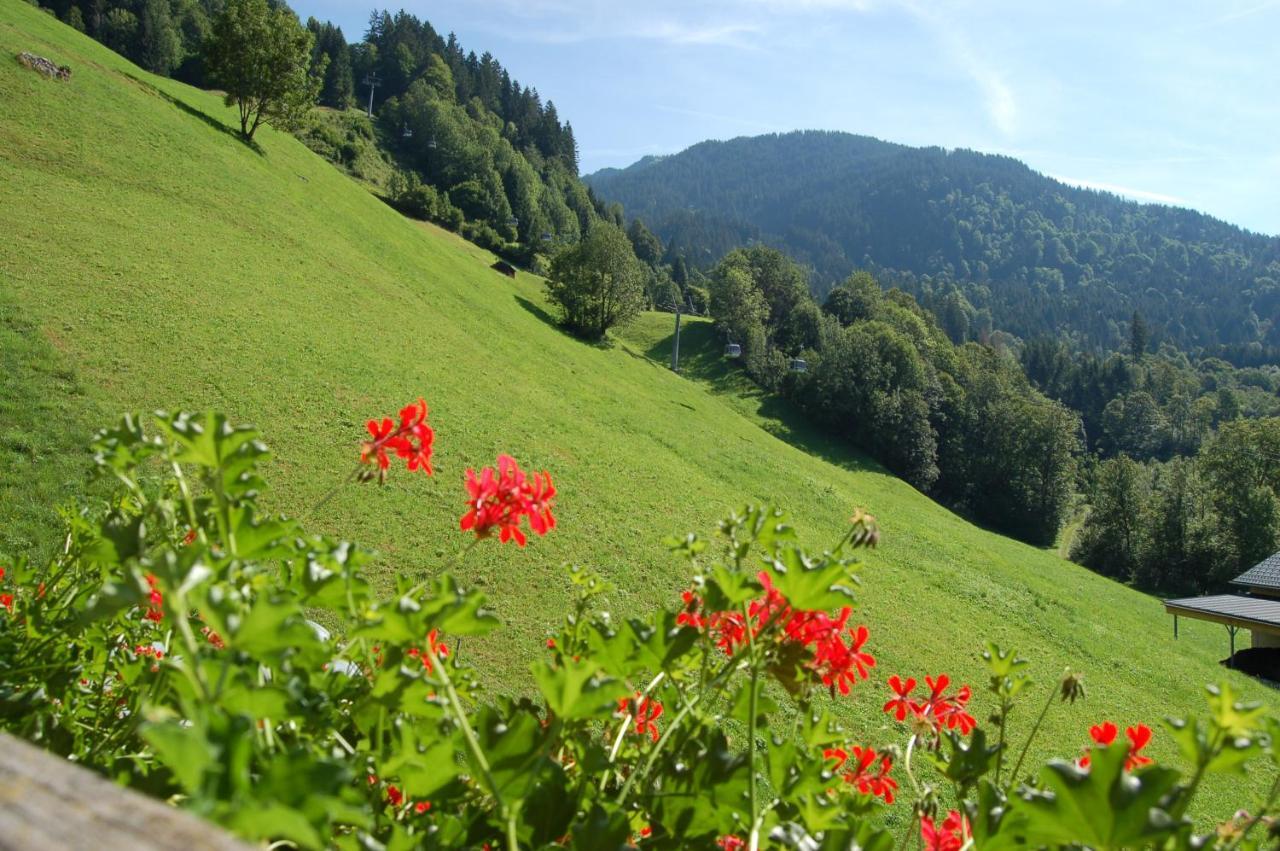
1139 337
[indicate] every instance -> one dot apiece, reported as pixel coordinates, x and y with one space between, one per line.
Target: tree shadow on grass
702 359
541 313
198 114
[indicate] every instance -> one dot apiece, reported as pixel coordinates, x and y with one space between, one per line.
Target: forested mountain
983 241
478 151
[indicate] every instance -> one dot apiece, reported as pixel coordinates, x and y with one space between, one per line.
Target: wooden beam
49 803
1228 620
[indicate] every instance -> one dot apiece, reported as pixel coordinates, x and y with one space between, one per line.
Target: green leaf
1104 807
184 750
273 821
231 454
818 584
578 690
600 829
658 647
423 769
970 759
457 612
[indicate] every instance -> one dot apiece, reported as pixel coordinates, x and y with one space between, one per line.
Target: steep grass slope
150 259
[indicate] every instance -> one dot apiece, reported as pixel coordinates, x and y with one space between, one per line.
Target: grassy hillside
151 259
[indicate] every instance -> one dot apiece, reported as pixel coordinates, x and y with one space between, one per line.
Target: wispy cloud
997 95
1247 12
1125 191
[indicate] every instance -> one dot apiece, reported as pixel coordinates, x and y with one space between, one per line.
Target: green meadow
149 259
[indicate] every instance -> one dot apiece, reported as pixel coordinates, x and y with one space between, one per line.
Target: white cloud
997 95
1125 191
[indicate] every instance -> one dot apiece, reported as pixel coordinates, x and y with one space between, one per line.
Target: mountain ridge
1024 249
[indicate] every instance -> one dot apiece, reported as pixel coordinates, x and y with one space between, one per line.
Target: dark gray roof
1264 574
1251 610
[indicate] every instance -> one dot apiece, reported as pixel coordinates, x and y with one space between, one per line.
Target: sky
1173 102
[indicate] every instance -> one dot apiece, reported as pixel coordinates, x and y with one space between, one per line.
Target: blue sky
1176 102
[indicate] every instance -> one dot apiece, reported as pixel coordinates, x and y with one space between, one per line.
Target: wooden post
1231 660
49 803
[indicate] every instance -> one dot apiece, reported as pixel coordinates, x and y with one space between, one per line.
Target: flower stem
1266 808
754 839
1013 775
333 491
477 755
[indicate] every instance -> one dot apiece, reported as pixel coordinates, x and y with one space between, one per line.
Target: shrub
172 645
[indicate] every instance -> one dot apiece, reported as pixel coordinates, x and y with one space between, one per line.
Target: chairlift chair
799 365
733 350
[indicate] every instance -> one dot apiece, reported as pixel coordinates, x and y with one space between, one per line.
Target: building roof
1230 609
1264 574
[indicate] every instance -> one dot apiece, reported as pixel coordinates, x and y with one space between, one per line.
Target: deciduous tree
261 57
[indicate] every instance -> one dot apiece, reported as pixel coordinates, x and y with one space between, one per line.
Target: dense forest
1188 525
960 422
983 241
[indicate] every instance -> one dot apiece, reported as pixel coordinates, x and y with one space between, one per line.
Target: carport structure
1257 609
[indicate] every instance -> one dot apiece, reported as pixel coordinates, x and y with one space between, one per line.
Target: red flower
1138 738
901 705
421 807
395 796
436 649
412 441
835 663
498 499
949 836
155 600
1104 734
189 538
213 638
6 600
691 614
731 843
860 775
646 712
939 709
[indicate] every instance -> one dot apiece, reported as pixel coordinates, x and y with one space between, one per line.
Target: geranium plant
176 645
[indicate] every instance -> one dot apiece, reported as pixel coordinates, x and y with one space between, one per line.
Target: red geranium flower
836 661
645 713
395 796
860 775
1104 734
436 649
155 600
949 836
939 709
412 441
6 600
497 501
731 843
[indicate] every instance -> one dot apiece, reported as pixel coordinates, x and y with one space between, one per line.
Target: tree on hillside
597 283
1110 539
261 57
1139 337
159 48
